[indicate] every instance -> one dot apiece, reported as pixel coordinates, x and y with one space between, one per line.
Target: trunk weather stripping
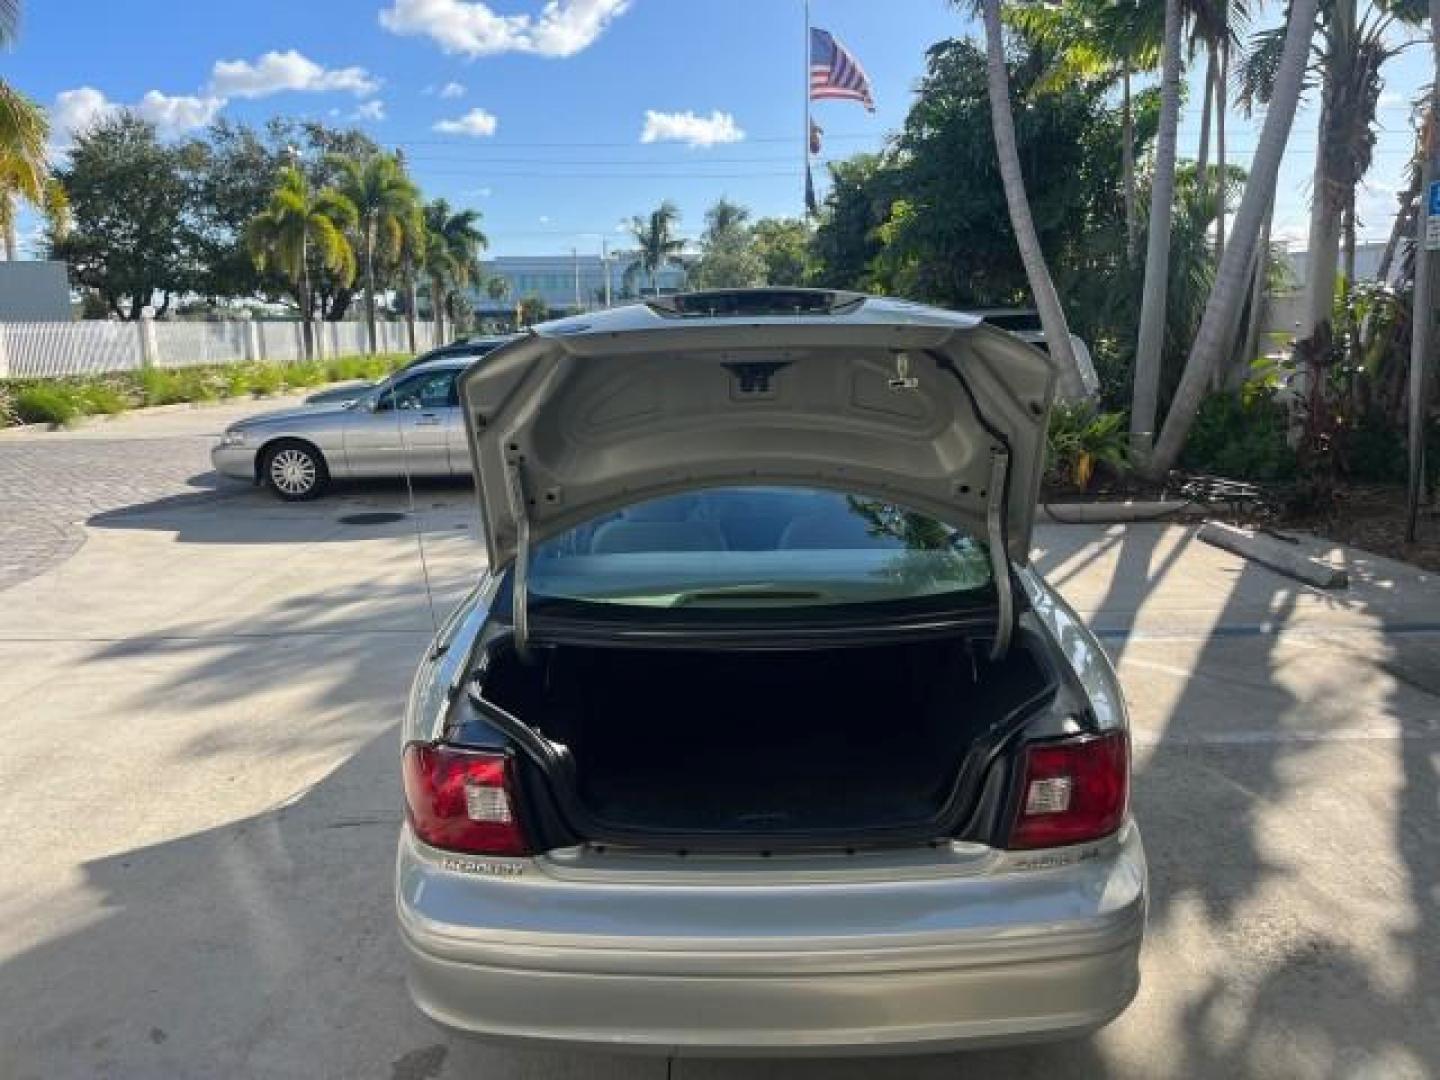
999 560
520 579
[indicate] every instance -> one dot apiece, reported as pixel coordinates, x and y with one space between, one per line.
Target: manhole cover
381 517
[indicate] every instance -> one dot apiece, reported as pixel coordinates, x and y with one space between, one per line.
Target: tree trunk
1260 272
1202 162
437 311
1327 206
1217 325
7 215
1127 162
1222 165
1052 315
1157 254
370 286
1402 225
410 302
307 326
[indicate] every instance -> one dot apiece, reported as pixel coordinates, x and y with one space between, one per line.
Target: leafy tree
452 255
1353 43
384 199
131 200
234 182
1222 310
1099 41
297 223
856 205
532 310
656 238
728 259
783 247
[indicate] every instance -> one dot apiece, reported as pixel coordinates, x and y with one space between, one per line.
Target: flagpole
805 135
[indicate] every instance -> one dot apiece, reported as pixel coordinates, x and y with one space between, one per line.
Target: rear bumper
814 966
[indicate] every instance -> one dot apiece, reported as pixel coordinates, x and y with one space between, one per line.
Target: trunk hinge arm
520 578
999 553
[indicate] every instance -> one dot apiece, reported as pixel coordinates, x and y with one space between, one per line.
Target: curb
1281 557
1102 513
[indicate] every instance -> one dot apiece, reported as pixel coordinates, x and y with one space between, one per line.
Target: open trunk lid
932 409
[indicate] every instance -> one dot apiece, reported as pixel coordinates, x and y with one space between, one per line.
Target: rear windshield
758 547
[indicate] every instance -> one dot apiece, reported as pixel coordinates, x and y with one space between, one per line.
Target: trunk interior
837 740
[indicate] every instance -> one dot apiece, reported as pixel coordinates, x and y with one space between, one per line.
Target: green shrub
266 379
304 373
159 387
102 398
1081 438
237 380
59 401
1241 438
47 405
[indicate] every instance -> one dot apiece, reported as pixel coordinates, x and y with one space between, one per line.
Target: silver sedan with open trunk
760 734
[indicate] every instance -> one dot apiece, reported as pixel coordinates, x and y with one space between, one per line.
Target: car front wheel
294 471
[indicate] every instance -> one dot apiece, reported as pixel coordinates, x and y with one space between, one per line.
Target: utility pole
1427 294
605 267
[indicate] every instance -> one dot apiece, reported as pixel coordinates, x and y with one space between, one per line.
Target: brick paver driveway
51 482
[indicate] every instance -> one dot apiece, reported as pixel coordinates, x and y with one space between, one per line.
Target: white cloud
75 110
476 122
452 90
278 71
686 127
563 27
373 110
177 114
544 219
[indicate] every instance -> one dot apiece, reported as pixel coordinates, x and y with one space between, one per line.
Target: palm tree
384 199
1151 338
1222 311
1352 47
295 226
655 236
24 130
1101 40
452 255
1002 120
414 239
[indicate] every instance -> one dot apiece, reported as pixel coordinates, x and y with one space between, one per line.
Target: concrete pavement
199 798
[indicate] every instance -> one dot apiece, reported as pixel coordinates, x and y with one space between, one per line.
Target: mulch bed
1372 518
1369 517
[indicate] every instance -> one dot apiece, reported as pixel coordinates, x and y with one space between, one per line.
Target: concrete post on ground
322 348
249 337
149 349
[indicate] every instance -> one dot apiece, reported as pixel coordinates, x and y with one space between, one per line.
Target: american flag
834 73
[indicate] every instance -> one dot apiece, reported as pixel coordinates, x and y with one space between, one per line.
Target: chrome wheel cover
293 471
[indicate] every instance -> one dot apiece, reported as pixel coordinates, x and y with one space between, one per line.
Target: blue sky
535 113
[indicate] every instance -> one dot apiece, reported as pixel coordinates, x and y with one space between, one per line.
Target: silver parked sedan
409 421
760 734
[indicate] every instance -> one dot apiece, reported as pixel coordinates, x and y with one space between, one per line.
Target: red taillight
462 800
1072 791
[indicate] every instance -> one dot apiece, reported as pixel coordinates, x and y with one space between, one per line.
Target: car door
406 426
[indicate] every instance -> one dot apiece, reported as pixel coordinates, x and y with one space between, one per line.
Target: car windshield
753 547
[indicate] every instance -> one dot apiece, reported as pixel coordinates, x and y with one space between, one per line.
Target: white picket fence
43 350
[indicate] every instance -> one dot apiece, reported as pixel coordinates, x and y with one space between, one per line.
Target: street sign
1432 219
